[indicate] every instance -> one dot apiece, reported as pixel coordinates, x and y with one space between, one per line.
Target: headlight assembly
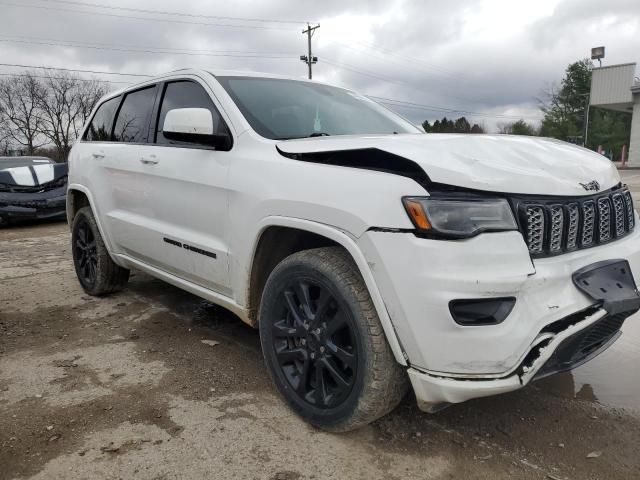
459 218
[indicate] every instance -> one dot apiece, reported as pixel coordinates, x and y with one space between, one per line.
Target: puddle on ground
612 378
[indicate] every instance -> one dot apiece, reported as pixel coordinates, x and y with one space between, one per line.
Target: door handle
148 161
97 155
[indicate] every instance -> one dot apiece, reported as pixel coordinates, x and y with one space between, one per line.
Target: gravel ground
126 387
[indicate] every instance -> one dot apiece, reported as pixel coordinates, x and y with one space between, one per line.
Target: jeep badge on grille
592 186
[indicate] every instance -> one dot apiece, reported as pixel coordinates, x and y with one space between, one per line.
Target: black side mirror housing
220 141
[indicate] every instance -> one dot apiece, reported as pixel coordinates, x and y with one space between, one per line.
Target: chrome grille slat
552 227
629 208
619 213
604 219
573 214
535 229
588 221
557 228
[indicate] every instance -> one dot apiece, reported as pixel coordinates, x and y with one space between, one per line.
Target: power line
22 75
177 14
435 108
385 100
149 19
141 50
409 104
75 70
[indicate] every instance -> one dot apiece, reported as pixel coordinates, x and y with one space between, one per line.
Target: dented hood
499 163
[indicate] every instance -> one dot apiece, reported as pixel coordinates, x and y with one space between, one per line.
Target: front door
177 194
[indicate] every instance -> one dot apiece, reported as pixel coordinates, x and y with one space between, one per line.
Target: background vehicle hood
33 175
499 163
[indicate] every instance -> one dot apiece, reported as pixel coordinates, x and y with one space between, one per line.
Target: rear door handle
97 155
149 161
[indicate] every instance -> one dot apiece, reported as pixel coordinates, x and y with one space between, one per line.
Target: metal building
616 87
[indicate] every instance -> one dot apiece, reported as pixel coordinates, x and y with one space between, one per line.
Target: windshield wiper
319 134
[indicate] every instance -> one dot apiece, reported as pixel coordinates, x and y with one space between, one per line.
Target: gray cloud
492 57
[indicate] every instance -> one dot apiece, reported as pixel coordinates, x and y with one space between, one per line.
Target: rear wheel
323 342
97 273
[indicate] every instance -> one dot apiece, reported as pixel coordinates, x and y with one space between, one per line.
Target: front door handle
97 155
149 161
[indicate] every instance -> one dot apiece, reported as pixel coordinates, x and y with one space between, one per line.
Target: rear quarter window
99 129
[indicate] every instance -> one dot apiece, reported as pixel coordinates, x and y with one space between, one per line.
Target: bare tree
20 120
65 103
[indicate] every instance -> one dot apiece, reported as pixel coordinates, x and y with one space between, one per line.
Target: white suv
368 253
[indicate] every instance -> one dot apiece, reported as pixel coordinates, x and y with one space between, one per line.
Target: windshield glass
283 109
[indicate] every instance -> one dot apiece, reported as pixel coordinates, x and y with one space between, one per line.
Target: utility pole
309 59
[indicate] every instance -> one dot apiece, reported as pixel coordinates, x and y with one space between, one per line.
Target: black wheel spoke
347 358
335 373
320 393
304 298
290 355
293 307
337 323
281 330
322 305
303 378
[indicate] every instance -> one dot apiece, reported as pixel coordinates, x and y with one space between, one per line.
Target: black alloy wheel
85 253
323 343
96 270
315 344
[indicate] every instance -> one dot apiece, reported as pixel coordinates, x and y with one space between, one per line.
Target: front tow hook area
611 283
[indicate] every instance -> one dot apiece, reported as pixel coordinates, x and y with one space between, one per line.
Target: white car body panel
223 201
495 163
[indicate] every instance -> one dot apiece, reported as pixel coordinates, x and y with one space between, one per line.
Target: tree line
564 109
45 114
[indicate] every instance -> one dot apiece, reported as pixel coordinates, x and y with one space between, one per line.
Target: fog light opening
481 311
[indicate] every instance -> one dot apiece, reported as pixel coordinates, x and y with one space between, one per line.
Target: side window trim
153 132
83 138
115 117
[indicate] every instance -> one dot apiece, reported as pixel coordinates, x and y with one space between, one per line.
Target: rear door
180 193
124 195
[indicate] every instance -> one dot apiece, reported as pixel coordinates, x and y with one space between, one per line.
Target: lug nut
306 326
313 355
317 331
321 349
303 341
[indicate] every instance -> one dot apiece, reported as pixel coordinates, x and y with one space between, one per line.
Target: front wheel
323 342
96 271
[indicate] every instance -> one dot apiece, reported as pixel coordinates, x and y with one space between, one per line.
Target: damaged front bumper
560 346
450 362
49 204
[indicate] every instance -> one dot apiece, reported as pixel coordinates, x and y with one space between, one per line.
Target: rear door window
132 122
186 94
100 127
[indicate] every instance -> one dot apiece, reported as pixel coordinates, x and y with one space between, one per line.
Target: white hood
499 163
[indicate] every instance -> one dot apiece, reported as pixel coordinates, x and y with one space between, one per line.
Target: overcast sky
490 57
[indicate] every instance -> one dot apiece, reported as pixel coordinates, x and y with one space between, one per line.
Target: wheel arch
79 196
279 237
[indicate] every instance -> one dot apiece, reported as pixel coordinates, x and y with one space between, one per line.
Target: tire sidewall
296 269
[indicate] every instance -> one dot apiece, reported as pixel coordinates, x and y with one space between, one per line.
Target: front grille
553 226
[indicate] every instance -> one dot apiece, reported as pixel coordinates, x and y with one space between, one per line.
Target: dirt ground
126 387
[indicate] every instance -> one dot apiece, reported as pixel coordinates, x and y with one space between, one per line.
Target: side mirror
193 125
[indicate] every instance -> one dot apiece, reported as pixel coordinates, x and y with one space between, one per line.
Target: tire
97 273
323 343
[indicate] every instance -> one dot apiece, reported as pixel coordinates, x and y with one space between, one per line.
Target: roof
215 73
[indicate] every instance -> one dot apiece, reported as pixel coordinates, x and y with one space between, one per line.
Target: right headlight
459 217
